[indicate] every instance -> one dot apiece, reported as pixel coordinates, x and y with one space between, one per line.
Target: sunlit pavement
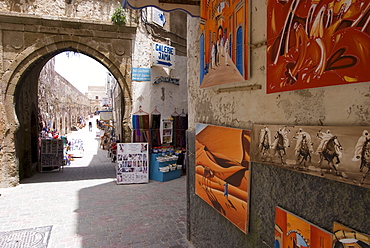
86 208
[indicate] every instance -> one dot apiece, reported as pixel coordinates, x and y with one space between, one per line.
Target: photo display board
51 153
132 163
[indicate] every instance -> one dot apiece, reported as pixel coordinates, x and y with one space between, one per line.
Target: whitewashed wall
165 96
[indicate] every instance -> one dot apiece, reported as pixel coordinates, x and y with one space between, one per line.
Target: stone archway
20 75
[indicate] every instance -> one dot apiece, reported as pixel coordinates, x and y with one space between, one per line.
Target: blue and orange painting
224 42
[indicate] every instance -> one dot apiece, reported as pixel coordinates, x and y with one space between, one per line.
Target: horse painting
331 150
264 144
365 160
303 152
279 146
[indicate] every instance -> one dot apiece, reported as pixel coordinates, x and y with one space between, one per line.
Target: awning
189 6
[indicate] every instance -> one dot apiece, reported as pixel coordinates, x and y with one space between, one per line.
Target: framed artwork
224 42
339 153
293 231
317 43
345 237
222 171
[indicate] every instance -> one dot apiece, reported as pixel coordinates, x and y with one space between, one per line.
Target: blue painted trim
125 3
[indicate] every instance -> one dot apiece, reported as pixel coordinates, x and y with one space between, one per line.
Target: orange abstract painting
222 171
312 43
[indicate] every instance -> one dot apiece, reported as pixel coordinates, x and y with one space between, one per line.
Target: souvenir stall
180 125
155 133
140 125
165 162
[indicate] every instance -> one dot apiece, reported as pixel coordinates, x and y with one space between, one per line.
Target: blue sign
140 74
163 55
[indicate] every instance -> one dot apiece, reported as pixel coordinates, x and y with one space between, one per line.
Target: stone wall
60 103
100 10
318 200
27 43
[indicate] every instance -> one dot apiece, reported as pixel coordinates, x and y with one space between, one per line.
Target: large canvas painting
224 42
293 231
345 237
339 153
222 171
317 43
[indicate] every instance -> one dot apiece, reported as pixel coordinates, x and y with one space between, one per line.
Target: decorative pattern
37 237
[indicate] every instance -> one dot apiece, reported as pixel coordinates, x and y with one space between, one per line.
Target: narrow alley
82 206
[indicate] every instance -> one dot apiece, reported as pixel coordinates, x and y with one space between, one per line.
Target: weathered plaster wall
318 200
337 105
100 10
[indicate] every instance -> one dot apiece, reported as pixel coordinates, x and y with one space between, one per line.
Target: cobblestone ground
86 208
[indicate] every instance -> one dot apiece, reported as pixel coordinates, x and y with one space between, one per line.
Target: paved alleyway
84 207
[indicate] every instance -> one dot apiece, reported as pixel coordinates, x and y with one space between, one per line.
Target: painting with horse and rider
336 152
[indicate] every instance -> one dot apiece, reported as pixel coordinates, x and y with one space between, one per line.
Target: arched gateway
27 43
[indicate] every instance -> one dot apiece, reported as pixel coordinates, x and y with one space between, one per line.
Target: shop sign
158 17
170 80
140 74
163 55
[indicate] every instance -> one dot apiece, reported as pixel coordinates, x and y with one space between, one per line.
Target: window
96 97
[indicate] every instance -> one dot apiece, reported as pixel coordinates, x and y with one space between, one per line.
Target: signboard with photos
132 163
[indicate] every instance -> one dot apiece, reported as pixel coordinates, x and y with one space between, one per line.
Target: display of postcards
76 144
126 178
119 157
132 148
131 157
119 178
60 145
167 132
119 169
54 146
129 163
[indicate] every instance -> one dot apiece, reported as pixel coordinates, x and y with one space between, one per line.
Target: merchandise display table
157 168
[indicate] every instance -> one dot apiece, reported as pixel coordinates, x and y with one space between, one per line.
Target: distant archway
21 91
